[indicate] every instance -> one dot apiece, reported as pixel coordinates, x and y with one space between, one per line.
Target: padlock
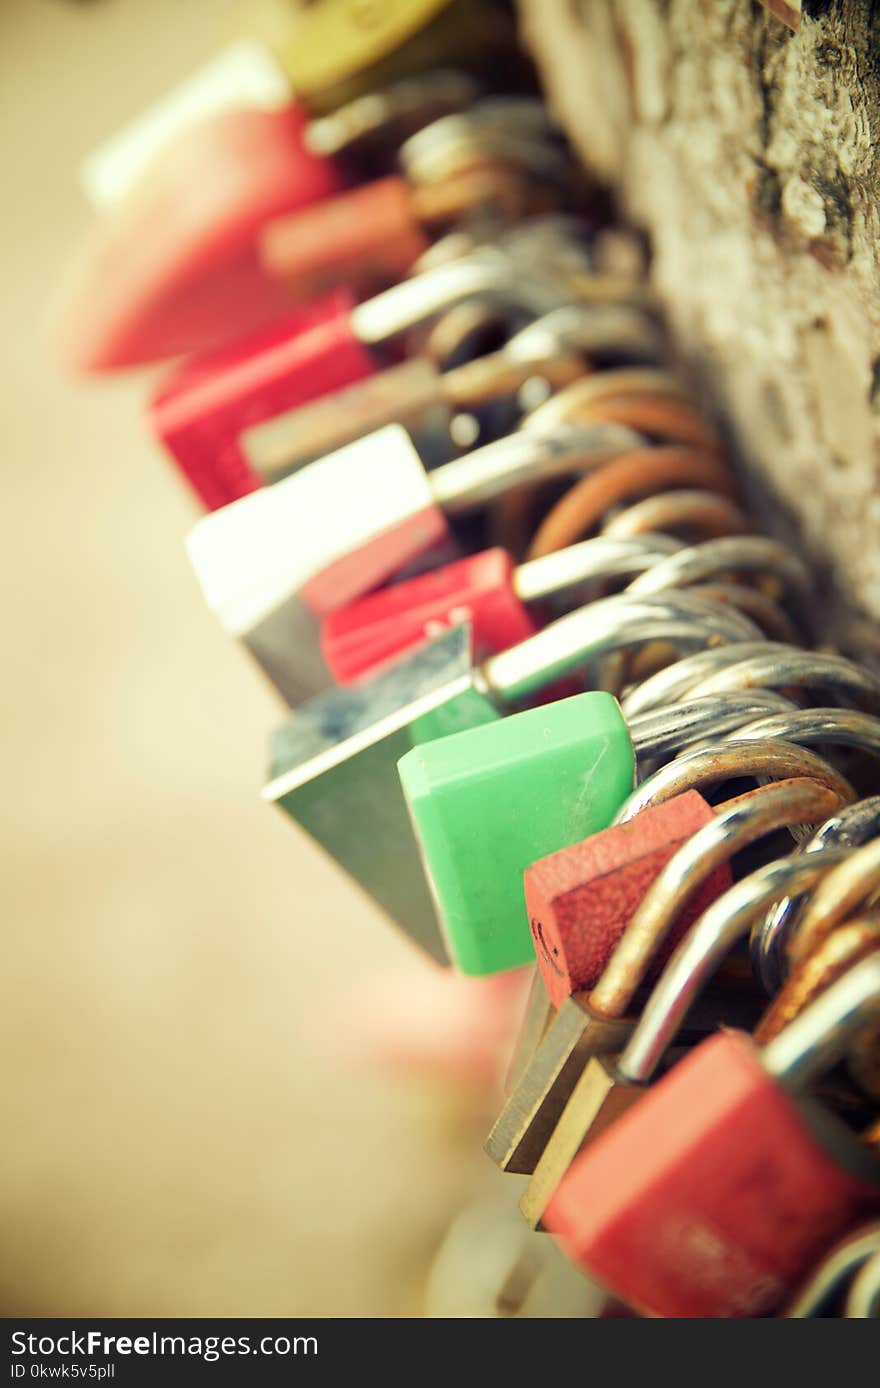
580 899
609 1086
485 801
336 50
333 40
199 412
272 563
735 825
203 406
688 512
713 1196
334 763
593 1024
172 266
372 235
416 394
487 590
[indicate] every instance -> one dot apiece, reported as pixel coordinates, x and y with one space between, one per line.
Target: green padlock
487 802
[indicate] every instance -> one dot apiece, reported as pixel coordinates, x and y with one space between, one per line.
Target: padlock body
366 237
336 40
172 266
711 1197
334 771
205 404
486 802
581 899
365 635
272 562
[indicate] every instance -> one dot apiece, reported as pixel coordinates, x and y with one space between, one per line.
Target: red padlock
580 900
373 235
715 1194
368 236
357 640
205 404
172 266
488 590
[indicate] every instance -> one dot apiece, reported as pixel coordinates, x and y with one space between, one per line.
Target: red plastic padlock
358 639
715 1194
202 408
488 590
172 267
581 899
368 236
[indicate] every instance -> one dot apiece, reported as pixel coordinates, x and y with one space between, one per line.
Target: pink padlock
172 265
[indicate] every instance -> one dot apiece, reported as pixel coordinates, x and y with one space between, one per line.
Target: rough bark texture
750 156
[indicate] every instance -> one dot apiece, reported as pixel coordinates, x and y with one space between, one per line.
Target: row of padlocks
553 704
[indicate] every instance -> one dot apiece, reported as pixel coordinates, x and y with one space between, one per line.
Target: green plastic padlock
487 802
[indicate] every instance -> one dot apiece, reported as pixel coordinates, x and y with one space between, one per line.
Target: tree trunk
747 153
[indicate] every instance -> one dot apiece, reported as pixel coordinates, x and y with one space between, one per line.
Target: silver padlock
272 562
334 763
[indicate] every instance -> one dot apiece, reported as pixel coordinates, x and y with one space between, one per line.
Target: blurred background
187 1128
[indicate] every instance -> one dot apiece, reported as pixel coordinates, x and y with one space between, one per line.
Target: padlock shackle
852 886
667 512
730 553
863 1298
665 732
704 948
677 682
845 727
844 1258
736 825
591 330
609 624
850 828
520 458
814 1042
596 558
483 274
803 669
702 767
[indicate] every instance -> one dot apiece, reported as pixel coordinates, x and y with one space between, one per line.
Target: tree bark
751 157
